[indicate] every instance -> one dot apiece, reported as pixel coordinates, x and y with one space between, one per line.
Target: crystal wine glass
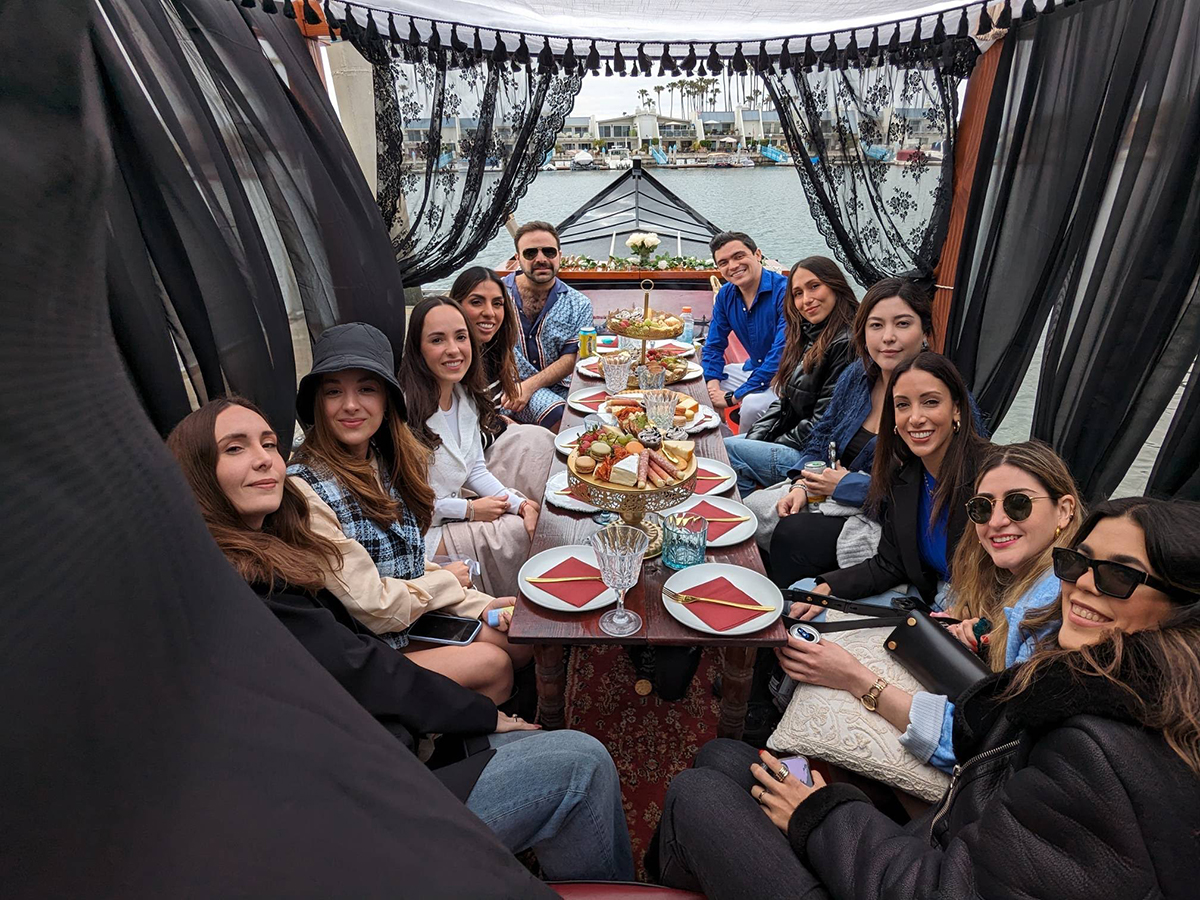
619 552
660 408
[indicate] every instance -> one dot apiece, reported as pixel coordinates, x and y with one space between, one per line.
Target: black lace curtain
872 136
460 137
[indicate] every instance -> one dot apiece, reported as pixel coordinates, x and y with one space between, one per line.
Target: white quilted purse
834 725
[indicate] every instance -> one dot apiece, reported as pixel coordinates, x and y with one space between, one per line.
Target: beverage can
587 342
815 467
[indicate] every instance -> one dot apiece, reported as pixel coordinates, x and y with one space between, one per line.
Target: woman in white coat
475 515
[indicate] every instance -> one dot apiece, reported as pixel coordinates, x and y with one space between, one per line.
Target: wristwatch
871 698
729 398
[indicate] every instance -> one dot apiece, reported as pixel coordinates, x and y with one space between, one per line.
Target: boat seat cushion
619 890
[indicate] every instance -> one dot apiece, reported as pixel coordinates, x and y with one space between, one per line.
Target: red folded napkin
706 485
593 368
577 593
722 618
594 401
674 349
715 529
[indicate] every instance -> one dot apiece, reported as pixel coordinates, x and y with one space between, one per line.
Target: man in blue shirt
750 304
550 313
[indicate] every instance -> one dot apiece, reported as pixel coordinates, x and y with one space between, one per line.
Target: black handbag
919 642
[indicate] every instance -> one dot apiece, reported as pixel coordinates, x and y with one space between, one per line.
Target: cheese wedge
685 404
683 450
625 472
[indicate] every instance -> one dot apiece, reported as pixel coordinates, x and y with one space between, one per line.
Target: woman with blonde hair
364 477
1025 505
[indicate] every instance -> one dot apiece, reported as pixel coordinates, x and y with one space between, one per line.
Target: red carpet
649 739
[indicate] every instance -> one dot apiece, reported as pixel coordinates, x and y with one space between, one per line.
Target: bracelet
871 698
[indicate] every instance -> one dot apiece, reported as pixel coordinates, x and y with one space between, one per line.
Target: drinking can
587 342
816 467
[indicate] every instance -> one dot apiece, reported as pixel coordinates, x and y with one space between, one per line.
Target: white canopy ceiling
677 21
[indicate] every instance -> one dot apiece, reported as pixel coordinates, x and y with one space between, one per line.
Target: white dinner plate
740 532
568 436
573 401
705 419
565 501
749 582
548 559
717 468
694 371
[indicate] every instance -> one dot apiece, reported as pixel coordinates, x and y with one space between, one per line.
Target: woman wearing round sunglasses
1023 509
1079 773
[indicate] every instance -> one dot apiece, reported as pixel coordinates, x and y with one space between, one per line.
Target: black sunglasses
1112 578
1018 507
530 253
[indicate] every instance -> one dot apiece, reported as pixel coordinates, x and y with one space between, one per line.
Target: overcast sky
605 97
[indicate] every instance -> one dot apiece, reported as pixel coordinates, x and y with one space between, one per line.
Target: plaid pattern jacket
398 551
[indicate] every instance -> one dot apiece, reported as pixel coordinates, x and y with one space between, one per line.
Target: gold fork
685 599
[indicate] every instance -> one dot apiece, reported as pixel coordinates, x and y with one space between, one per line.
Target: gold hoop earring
1057 532
956 426
895 429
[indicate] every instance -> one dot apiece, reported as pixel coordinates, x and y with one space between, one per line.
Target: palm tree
712 94
671 85
643 95
658 89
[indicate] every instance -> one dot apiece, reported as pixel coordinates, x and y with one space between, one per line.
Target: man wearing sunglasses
551 314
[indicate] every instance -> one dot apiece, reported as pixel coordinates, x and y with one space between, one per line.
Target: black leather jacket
804 397
1062 794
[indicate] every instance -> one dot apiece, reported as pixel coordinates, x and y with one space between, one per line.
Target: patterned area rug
650 739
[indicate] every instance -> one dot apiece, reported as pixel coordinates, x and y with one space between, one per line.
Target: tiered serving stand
632 503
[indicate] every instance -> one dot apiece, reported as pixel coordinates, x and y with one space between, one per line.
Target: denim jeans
759 464
558 792
715 838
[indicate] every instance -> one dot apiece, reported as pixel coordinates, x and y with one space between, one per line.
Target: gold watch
871 698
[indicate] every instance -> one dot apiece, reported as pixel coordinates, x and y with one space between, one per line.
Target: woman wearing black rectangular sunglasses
1083 763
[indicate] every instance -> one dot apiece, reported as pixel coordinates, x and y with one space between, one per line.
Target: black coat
803 399
1063 796
408 700
898 558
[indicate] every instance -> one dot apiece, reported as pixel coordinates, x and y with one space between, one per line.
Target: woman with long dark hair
818 315
926 457
1083 763
364 478
1025 505
893 324
507 446
444 383
557 792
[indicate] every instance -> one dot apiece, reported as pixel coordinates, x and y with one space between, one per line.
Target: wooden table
551 631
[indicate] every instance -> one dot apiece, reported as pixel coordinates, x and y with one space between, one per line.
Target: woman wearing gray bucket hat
364 477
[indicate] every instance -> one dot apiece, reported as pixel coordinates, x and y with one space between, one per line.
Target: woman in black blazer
925 461
557 792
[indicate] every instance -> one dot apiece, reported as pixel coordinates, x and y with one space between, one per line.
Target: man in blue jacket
750 304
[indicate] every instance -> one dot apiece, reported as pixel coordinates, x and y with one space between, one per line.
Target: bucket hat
356 345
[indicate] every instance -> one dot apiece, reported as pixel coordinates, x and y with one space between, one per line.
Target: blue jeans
760 464
558 792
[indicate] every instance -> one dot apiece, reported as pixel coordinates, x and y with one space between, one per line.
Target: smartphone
798 766
439 628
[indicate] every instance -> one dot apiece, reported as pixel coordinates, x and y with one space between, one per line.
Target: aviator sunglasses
1112 578
1018 507
530 253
